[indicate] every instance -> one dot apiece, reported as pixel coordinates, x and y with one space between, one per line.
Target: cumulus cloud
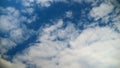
11 27
96 47
98 35
10 19
7 64
59 45
6 44
101 11
106 13
53 39
8 22
19 35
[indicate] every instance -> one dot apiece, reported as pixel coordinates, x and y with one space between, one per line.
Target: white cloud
96 47
94 34
50 46
7 64
54 27
12 28
6 24
19 35
47 3
101 11
11 19
44 3
11 24
32 19
117 22
96 55
116 19
27 3
69 14
29 11
5 44
41 3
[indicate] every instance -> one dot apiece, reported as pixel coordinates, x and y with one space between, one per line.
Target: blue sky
59 33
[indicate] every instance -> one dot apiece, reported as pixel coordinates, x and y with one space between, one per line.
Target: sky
60 34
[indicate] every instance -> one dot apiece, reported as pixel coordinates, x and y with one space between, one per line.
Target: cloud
6 44
96 47
28 10
93 48
8 22
116 16
47 3
7 64
69 14
12 29
27 3
116 21
60 45
106 13
41 3
20 34
101 11
10 19
95 34
44 3
53 39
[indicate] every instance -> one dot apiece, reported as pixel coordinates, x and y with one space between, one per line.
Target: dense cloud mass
60 34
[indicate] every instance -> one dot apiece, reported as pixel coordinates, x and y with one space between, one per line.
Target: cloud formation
7 64
12 29
94 48
101 11
62 44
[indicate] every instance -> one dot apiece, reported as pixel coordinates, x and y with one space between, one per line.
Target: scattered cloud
53 39
11 27
41 3
5 44
29 11
101 11
94 48
61 44
8 22
69 14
